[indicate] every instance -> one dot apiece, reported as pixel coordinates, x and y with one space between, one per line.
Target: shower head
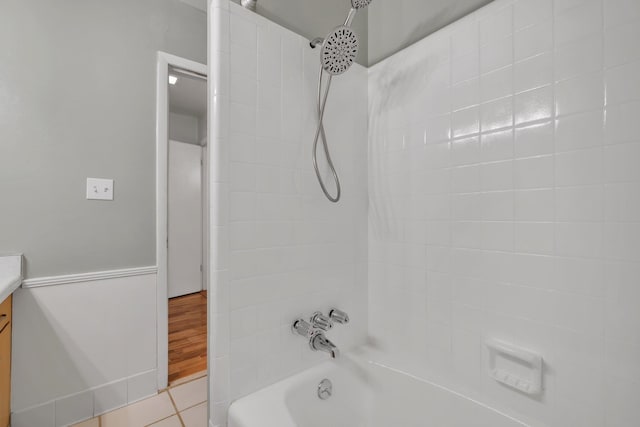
339 50
360 4
355 6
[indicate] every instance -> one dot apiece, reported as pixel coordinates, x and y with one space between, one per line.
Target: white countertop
10 275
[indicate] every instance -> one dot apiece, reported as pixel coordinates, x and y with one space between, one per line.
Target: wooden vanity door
5 362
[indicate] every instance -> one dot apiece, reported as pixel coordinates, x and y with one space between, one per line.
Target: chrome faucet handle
302 327
339 316
321 321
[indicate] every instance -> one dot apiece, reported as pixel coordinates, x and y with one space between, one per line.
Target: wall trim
66 279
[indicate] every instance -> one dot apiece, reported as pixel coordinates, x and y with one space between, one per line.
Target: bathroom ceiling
385 27
188 96
315 18
396 24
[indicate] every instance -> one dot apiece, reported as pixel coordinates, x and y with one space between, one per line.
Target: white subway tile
579 167
619 47
464 40
465 151
466 234
496 84
534 172
243 60
497 176
618 12
621 162
465 179
496 26
497 236
529 12
580 276
580 94
579 239
533 41
243 31
534 270
465 67
621 125
579 21
622 317
534 237
533 72
620 410
623 83
622 202
465 94
496 114
534 205
579 57
533 105
497 206
622 241
579 203
580 131
534 140
497 146
496 55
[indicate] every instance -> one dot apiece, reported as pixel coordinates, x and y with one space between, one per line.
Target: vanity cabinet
5 362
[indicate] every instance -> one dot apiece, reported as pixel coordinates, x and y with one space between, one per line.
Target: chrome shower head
360 4
355 6
339 50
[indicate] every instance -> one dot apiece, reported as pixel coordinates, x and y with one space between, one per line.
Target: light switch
99 189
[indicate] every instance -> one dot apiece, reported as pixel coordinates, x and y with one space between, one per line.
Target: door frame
164 61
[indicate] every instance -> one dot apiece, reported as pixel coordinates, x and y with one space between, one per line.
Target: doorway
182 219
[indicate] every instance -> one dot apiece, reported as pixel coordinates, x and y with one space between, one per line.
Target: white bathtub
365 394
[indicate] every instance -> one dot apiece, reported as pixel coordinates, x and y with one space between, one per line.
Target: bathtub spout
320 343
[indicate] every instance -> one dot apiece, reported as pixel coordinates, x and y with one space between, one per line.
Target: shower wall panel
505 203
281 249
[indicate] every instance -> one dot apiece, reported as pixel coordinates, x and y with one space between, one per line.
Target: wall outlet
99 189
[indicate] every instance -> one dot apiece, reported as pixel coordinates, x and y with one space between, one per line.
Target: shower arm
350 17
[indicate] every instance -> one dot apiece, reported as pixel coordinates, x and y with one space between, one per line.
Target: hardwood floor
187 335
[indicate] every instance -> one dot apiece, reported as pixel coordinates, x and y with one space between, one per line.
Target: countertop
10 275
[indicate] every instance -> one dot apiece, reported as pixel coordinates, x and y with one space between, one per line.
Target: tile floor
182 405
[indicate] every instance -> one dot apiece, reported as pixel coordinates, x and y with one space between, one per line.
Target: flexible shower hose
322 102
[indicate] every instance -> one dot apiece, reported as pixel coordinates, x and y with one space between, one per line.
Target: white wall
100 123
81 349
184 128
281 249
505 203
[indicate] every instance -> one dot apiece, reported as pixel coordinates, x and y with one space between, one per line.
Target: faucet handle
339 316
321 321
302 327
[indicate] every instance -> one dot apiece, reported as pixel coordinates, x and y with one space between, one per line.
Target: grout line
161 419
193 406
176 408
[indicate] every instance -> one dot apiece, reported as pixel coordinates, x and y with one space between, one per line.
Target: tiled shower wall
505 203
284 251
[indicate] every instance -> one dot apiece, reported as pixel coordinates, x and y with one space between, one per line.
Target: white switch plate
99 189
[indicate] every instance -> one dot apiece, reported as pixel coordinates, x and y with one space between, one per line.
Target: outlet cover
99 189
